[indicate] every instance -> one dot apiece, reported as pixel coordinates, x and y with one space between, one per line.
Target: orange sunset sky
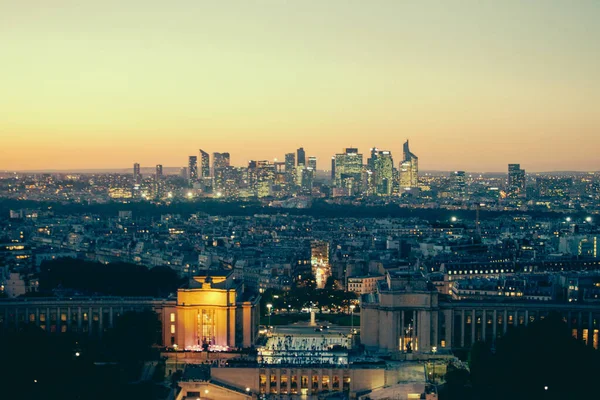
473 84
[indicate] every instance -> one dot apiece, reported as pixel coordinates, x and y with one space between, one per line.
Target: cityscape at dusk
299 200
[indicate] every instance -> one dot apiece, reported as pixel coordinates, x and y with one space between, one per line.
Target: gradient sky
473 84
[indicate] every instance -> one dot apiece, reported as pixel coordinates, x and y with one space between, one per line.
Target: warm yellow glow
152 81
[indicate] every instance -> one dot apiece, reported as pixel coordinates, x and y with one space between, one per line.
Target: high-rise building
158 181
159 172
137 176
220 161
458 183
290 162
193 169
183 172
409 169
301 156
312 163
333 169
348 171
384 173
204 164
516 179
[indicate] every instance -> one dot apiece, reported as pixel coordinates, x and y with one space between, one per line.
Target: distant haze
473 84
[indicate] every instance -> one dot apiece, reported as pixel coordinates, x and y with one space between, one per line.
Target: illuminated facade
204 164
406 316
348 171
211 311
409 169
192 169
319 260
516 179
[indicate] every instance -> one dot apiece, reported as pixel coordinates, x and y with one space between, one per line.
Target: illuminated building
212 310
406 315
458 183
204 164
301 156
312 164
384 173
319 260
159 172
409 169
192 169
137 176
348 171
220 161
516 179
290 163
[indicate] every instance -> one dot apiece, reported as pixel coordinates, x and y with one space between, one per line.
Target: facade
204 164
348 171
137 176
409 169
516 179
192 169
212 310
301 156
220 161
384 173
364 284
406 316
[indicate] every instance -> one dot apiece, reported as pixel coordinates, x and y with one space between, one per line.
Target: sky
474 85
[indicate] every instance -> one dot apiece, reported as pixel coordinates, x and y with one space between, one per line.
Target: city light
453 219
588 219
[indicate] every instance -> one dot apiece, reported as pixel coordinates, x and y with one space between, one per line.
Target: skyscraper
159 172
137 176
333 169
290 162
384 173
458 183
220 161
158 184
193 169
312 166
348 171
204 164
301 156
516 179
409 169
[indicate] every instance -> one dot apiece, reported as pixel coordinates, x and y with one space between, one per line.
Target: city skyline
106 85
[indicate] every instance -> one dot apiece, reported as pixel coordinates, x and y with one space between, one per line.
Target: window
325 382
172 317
172 329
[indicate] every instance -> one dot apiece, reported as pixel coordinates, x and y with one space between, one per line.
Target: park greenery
287 305
539 361
40 365
113 279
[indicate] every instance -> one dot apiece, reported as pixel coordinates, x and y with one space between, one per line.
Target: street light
352 307
433 350
175 347
588 219
453 219
269 306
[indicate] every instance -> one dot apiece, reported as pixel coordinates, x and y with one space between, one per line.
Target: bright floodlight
247 389
568 219
588 219
269 306
352 306
453 219
190 194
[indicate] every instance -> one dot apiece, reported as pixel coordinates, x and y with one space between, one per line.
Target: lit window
172 317
172 328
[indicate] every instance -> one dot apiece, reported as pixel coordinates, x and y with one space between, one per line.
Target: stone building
408 316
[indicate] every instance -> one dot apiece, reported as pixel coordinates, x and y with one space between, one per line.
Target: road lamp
175 347
269 307
433 350
352 307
